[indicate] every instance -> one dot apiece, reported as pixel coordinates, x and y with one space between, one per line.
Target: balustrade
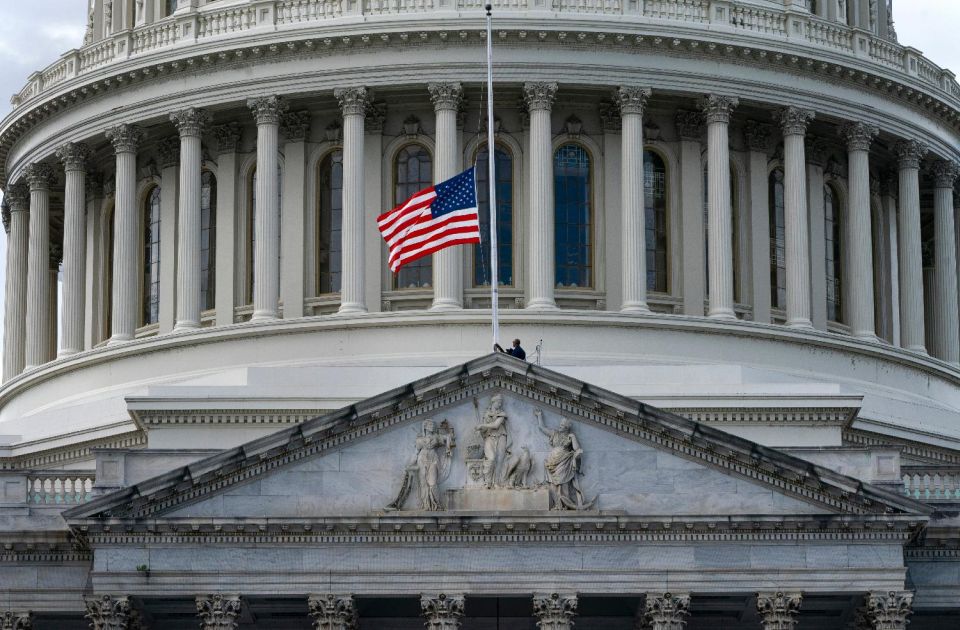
932 486
63 488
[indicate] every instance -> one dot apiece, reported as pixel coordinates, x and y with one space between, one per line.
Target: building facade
727 237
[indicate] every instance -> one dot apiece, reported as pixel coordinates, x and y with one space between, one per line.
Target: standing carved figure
429 467
562 466
493 429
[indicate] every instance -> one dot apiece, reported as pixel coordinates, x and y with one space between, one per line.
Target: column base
723 314
183 327
542 305
919 350
636 308
866 336
264 316
119 339
446 306
350 308
800 324
66 352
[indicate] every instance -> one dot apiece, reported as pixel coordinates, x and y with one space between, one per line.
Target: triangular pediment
417 451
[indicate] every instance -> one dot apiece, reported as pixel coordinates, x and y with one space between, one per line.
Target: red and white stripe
411 232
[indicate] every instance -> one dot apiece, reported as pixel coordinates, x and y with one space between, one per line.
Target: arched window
734 231
504 192
412 172
833 255
778 271
330 223
151 258
252 226
655 220
573 216
208 240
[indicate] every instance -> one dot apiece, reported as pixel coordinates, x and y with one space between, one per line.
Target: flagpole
492 181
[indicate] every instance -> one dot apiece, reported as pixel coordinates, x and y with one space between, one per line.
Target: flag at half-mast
440 216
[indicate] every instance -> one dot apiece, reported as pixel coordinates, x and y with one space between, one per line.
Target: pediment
497 436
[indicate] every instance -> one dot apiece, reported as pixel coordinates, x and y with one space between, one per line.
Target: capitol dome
727 241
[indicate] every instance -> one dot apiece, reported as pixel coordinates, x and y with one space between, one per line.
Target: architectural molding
757 136
354 101
632 99
39 176
219 612
858 136
539 95
446 95
227 137
442 611
190 121
16 620
106 612
332 612
690 125
890 610
125 138
778 611
267 109
295 126
74 156
555 611
666 611
794 120
910 152
717 108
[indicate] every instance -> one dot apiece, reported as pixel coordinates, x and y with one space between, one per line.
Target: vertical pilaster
295 128
946 338
910 152
447 263
793 122
666 611
354 103
757 136
690 129
53 306
332 612
39 177
266 255
717 110
126 244
888 211
541 263
189 123
778 611
372 181
168 150
219 612
633 252
228 140
442 612
555 611
15 305
106 612
890 610
74 158
818 243
94 302
859 238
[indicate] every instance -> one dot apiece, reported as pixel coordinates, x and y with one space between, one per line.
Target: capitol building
727 238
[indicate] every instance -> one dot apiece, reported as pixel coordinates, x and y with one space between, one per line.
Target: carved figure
493 429
518 469
562 466
429 467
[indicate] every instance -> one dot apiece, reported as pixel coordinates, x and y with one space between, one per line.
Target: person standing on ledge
515 351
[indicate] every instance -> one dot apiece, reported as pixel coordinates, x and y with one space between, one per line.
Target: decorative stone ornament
945 173
445 95
108 613
190 121
910 152
778 610
332 612
39 176
73 156
16 621
757 136
573 126
295 126
816 150
376 117
227 137
429 467
334 132
632 99
666 611
267 109
411 126
889 611
353 101
18 196
717 107
168 151
858 136
555 611
125 138
689 125
219 612
442 612
539 95
794 120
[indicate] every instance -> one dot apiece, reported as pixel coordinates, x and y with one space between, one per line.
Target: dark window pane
778 285
504 192
208 240
329 223
655 220
150 313
413 170
573 216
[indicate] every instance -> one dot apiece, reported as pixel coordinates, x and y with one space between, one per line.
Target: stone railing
927 485
216 21
59 488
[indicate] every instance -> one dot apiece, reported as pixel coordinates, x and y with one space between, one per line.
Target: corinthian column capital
353 101
16 621
666 611
539 95
190 121
73 156
778 610
445 95
945 173
267 109
219 612
332 612
108 613
910 152
631 99
858 136
794 120
717 108
889 611
18 196
555 611
125 138
39 175
442 612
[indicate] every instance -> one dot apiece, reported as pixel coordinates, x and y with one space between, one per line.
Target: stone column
332 612
126 241
555 611
55 259
228 141
10 620
910 152
632 100
15 306
447 263
106 612
793 122
891 273
74 158
778 611
757 136
946 345
354 103
266 255
666 611
859 238
889 611
717 109
219 612
39 177
442 612
189 123
542 269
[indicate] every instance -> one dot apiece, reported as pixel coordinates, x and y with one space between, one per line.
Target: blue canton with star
457 193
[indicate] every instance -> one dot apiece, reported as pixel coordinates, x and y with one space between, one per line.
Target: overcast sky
34 33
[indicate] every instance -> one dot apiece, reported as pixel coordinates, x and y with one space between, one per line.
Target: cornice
919 450
81 451
583 32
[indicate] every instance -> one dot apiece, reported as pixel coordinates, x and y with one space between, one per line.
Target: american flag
440 216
